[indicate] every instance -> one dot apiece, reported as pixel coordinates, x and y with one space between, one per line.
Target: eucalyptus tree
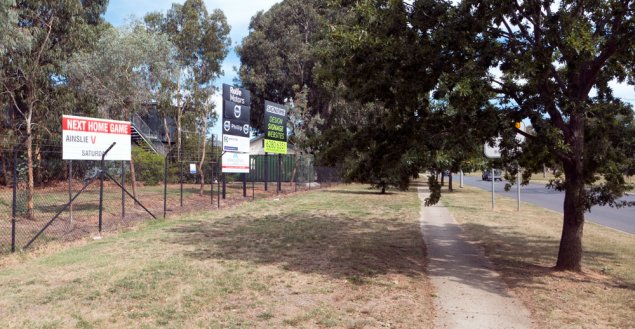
43 35
123 72
278 57
201 42
549 62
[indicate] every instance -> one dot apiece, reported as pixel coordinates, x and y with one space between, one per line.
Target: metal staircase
146 137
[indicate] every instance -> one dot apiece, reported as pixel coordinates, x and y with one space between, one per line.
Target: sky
238 13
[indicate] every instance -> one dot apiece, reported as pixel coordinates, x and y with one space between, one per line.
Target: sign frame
86 138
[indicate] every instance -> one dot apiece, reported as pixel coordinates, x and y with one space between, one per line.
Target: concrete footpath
469 293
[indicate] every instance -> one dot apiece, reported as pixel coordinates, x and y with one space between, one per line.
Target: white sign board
87 138
235 144
493 152
192 168
236 162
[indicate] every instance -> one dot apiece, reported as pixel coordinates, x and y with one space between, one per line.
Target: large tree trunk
166 131
450 182
5 173
570 252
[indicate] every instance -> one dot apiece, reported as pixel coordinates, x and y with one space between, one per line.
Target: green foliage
149 166
277 58
123 71
435 191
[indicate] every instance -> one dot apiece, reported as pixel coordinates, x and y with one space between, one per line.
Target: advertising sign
87 138
236 162
235 144
276 128
236 115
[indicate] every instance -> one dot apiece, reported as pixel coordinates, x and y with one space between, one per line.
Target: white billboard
233 143
87 138
236 162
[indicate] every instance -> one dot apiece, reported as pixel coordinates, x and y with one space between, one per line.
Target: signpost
236 131
86 138
236 115
493 152
276 133
276 128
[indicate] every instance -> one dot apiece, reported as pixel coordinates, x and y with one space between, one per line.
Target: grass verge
523 246
342 257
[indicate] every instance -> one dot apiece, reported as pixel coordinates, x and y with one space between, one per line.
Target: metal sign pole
123 194
461 183
266 169
493 180
518 189
101 185
70 193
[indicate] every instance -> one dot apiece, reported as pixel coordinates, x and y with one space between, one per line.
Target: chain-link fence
75 199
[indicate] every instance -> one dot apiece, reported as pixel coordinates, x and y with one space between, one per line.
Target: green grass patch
524 245
301 260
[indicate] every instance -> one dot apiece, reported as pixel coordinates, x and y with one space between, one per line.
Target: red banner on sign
95 126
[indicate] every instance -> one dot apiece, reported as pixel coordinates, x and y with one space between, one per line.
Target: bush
148 166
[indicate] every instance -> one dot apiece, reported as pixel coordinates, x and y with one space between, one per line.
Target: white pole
493 180
461 173
518 189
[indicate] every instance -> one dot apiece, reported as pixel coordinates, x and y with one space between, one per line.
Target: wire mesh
65 201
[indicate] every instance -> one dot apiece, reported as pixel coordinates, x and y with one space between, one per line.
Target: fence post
211 180
218 185
123 194
224 186
279 173
165 185
101 185
15 198
181 179
266 169
70 192
244 178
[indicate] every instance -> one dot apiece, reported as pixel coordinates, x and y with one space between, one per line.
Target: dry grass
523 247
343 257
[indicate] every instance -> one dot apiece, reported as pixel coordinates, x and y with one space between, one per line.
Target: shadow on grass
336 246
522 258
369 192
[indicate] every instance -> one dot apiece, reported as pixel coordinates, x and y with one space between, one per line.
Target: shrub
148 166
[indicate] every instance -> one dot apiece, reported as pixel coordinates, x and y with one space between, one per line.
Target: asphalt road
622 219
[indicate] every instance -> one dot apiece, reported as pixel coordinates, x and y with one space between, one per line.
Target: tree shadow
522 258
335 246
358 192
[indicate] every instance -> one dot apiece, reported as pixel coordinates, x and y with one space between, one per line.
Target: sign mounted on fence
236 113
87 138
236 162
276 128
